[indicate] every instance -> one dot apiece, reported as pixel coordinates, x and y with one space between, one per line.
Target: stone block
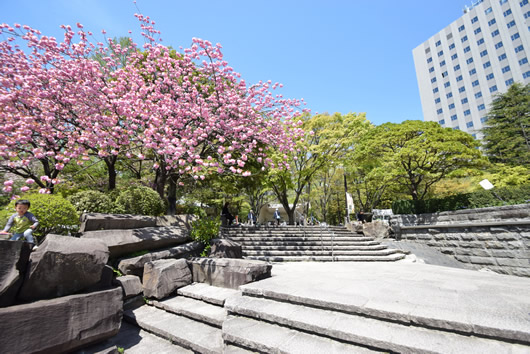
510 262
482 260
99 221
163 277
222 248
61 325
496 229
521 272
376 229
467 237
184 220
508 236
464 259
503 254
494 245
63 265
484 237
122 242
130 284
13 263
228 272
135 265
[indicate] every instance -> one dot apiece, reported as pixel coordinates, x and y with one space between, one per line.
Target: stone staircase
308 243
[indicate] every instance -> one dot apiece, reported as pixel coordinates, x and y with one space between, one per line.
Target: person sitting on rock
226 213
22 223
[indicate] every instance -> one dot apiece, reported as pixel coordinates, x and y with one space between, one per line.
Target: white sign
486 184
349 203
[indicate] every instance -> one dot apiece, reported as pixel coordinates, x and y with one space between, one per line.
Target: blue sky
339 55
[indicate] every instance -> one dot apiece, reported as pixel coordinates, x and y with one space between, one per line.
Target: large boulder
99 221
183 220
130 284
61 325
163 277
122 242
13 262
135 265
228 272
378 230
63 265
223 248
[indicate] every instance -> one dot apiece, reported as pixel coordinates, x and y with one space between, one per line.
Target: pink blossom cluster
61 101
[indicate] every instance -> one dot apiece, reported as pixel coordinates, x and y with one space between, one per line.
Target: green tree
507 133
417 154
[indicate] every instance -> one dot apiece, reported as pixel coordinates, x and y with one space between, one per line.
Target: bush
91 202
205 229
140 200
55 214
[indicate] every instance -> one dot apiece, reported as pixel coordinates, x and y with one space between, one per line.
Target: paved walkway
466 300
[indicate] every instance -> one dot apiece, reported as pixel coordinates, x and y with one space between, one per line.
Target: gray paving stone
195 309
207 293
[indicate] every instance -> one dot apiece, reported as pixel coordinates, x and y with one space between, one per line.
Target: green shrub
205 229
55 214
139 200
91 202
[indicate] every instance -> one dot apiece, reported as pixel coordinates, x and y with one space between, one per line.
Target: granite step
207 293
181 330
304 252
265 337
299 239
389 258
360 330
194 309
375 247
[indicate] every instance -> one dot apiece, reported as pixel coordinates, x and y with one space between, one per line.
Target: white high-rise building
462 68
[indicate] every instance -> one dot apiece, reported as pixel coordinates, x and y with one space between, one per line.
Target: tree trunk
110 161
172 196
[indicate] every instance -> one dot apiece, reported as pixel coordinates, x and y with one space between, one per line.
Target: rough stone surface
130 284
99 221
163 277
63 265
135 265
122 242
228 272
223 248
13 263
184 220
376 229
61 325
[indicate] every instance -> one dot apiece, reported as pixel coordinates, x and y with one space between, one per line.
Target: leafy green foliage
55 214
91 202
507 134
205 229
140 200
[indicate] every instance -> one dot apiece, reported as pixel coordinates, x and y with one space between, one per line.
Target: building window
483 120
438 43
505 69
481 107
515 36
433 80
444 74
437 100
435 90
457 67
488 10
441 121
493 88
495 33
456 128
483 53
508 82
467 112
449 95
454 117
467 49
459 78
442 63
523 61
503 1
502 56
492 22
452 106
439 111
440 53
452 46
523 3
480 41
519 49
454 56
472 72
486 64
474 19
449 36
510 24
429 60
498 45
478 94
463 100
469 61
526 15
461 89
475 83
431 69
489 76
447 84
507 12
461 28
477 31
469 124
526 75
464 39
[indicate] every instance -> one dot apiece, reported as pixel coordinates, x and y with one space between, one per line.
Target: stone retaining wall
496 238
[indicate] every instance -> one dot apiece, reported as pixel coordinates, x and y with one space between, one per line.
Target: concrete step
265 337
247 247
198 310
303 252
389 258
359 330
181 330
300 239
260 242
204 292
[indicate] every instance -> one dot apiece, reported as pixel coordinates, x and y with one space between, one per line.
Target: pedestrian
251 218
360 216
22 223
226 213
277 216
